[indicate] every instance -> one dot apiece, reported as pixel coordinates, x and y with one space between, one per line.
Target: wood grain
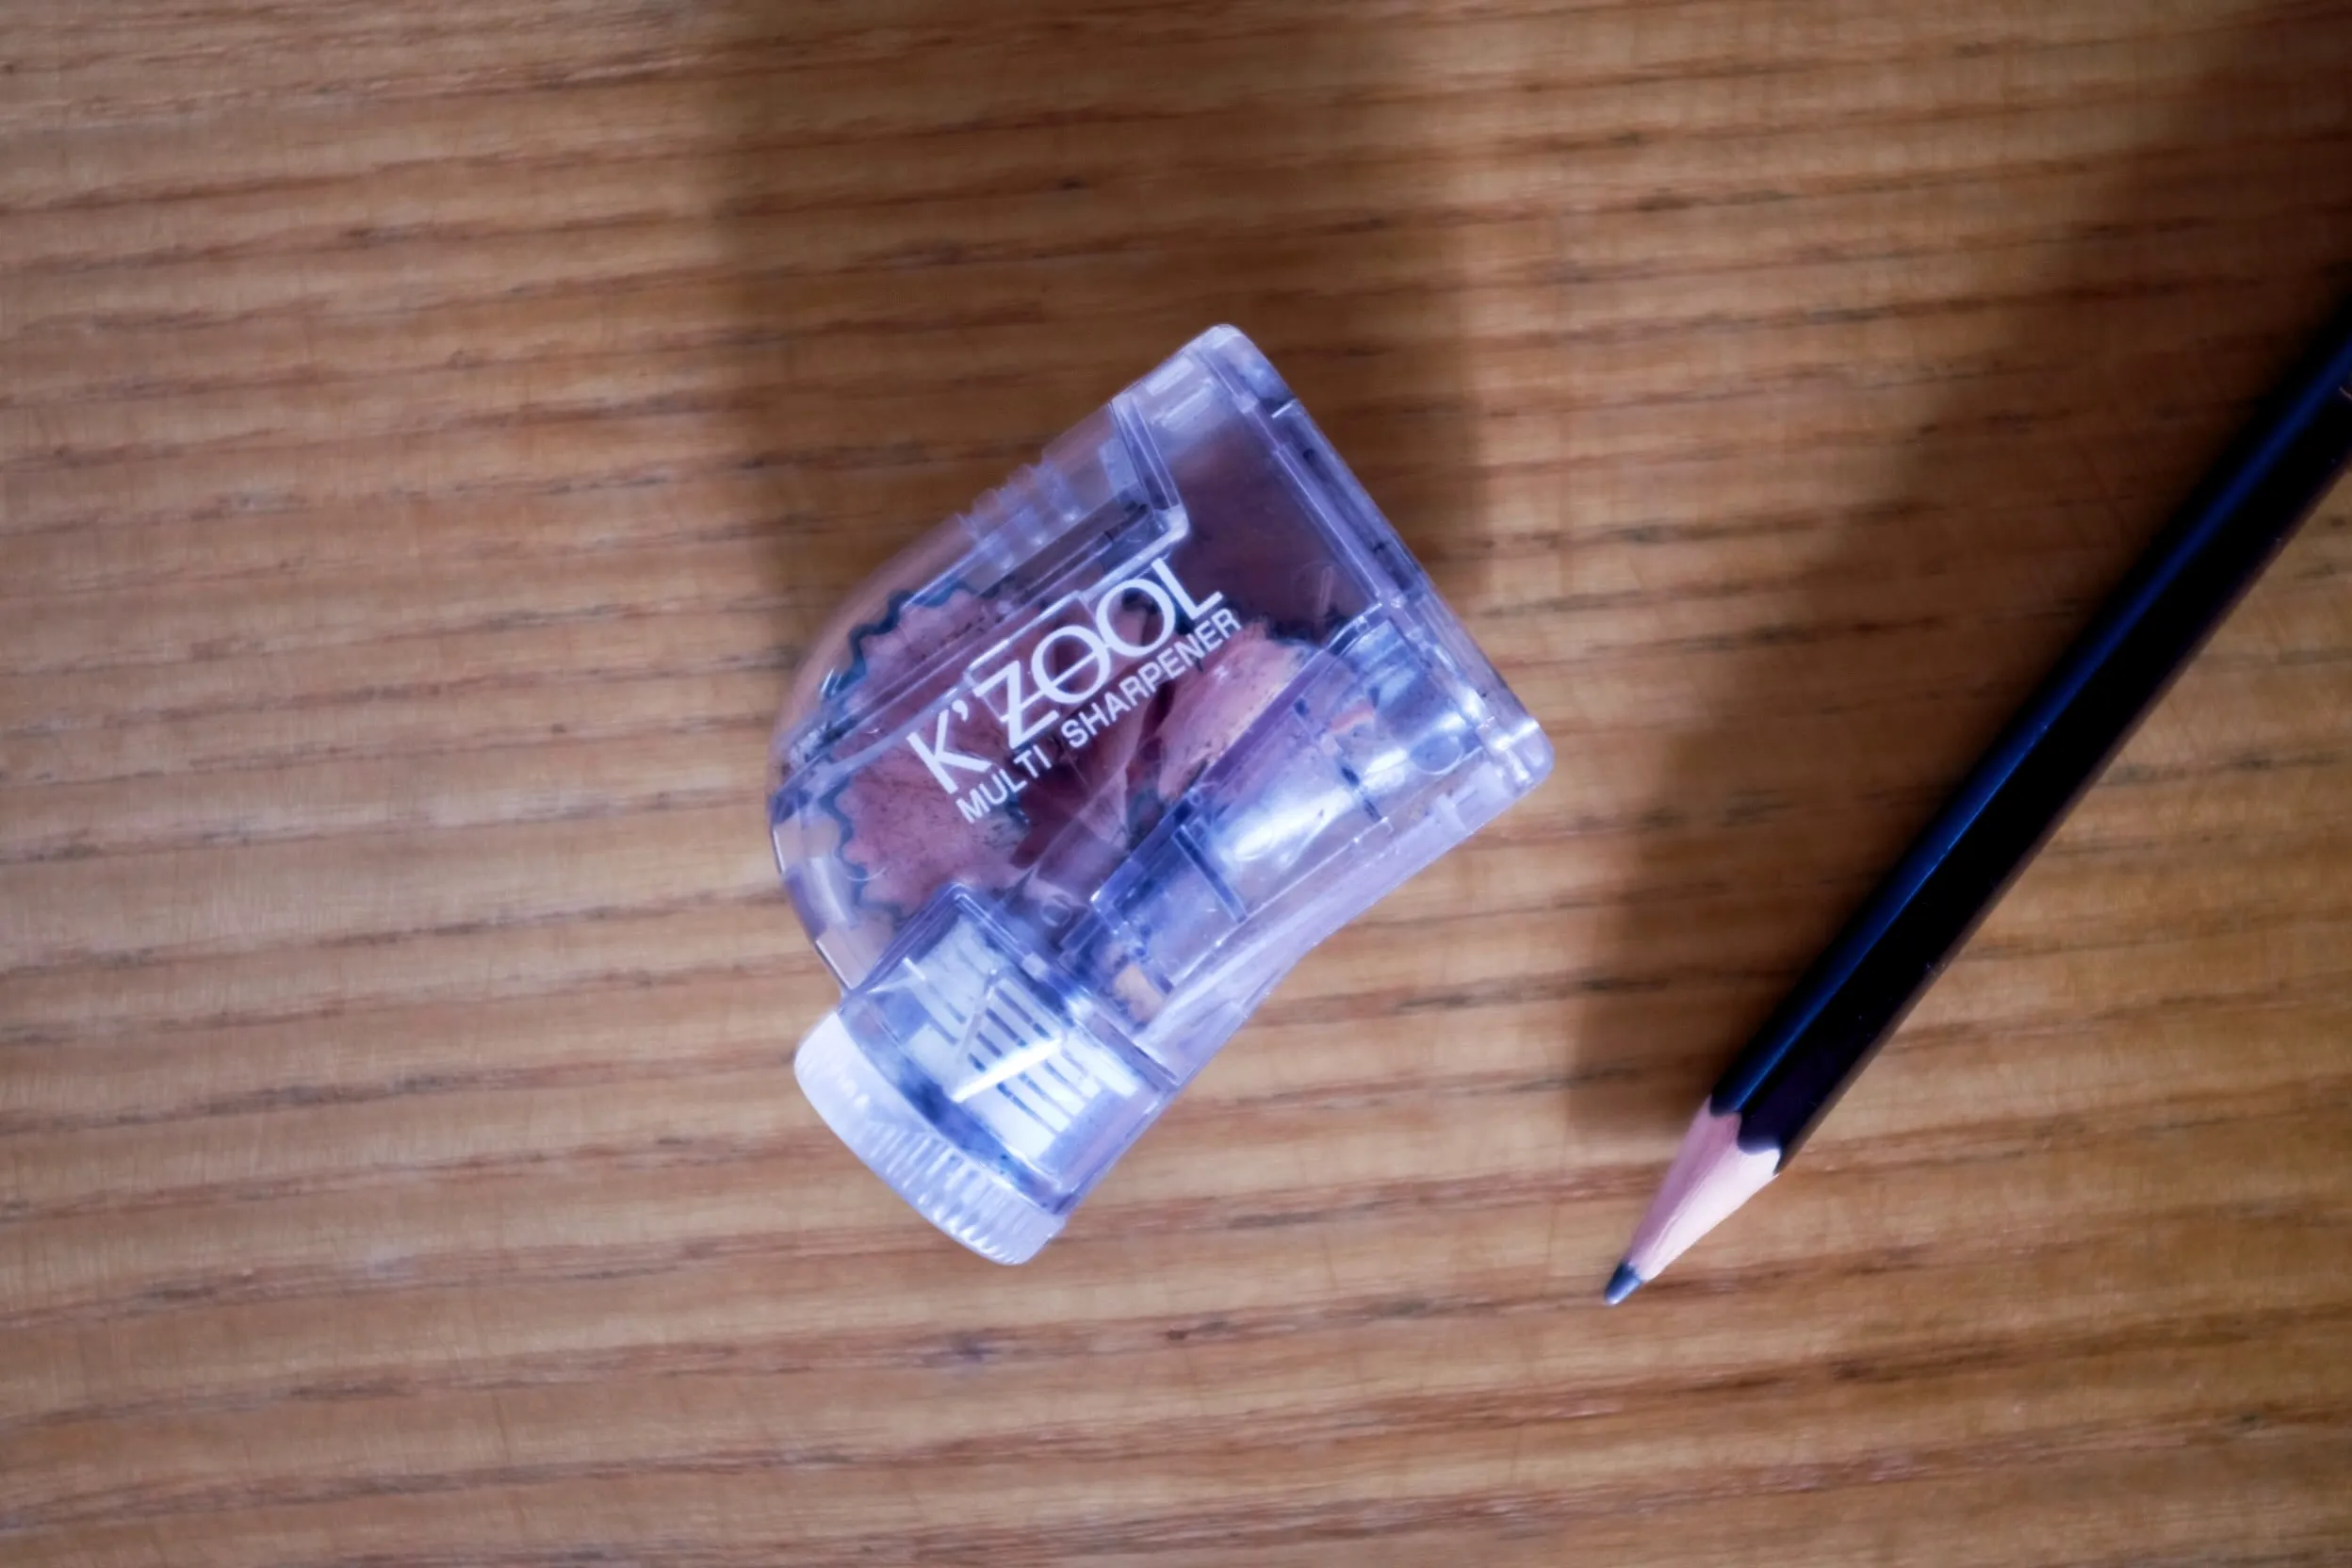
429 433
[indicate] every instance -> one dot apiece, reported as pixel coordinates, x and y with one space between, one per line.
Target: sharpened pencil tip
1621 1284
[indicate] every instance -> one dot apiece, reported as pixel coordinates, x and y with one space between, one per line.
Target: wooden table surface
429 433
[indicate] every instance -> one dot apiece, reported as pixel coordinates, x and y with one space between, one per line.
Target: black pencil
1825 1030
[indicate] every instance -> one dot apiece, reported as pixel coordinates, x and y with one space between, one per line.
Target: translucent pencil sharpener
1066 788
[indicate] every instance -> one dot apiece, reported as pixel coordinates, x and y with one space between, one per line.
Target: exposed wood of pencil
426 435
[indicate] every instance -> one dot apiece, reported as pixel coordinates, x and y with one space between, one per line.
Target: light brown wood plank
430 436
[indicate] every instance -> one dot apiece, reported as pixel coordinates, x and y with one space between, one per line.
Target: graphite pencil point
1621 1284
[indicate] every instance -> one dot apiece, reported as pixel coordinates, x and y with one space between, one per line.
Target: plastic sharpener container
1066 788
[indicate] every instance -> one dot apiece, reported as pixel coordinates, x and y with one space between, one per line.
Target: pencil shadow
1927 611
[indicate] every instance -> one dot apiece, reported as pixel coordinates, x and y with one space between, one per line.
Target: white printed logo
1066 668
938 756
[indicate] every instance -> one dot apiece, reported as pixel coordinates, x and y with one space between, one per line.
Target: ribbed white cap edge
944 1185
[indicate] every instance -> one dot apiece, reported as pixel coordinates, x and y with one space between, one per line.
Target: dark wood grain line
158 1293
1957 1455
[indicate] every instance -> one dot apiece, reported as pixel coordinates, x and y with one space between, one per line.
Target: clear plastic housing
1069 785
